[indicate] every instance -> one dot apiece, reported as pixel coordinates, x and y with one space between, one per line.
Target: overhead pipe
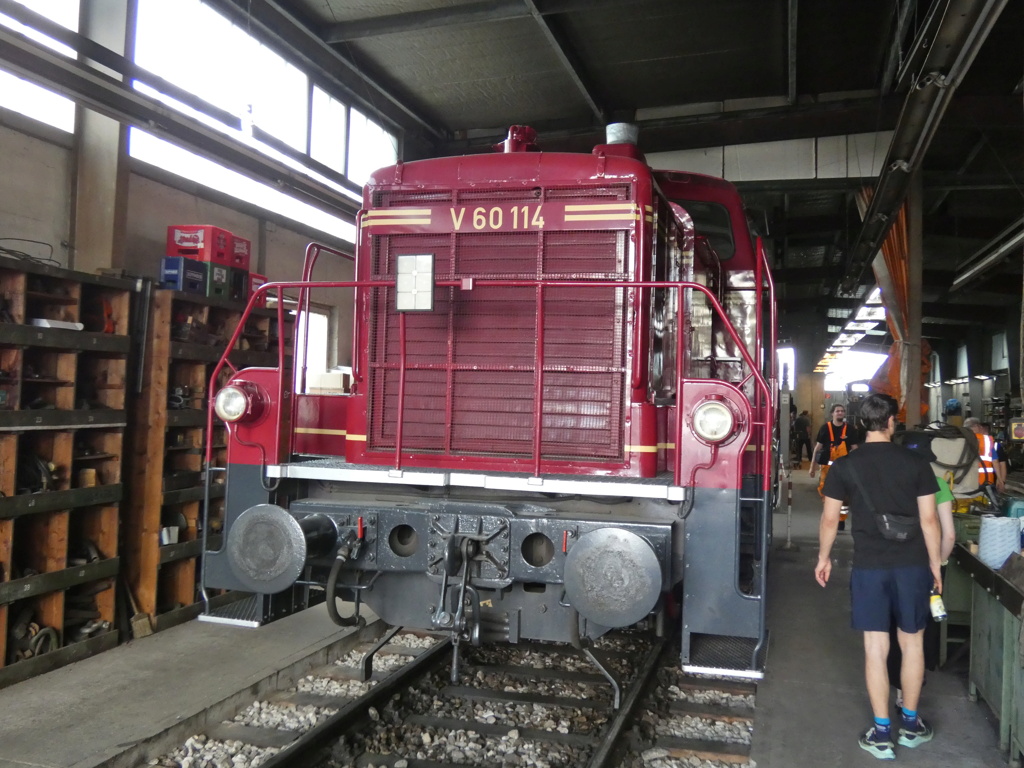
962 28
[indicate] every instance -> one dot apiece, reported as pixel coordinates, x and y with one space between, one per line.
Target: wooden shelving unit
64 349
163 522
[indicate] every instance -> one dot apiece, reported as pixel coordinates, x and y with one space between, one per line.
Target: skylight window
28 98
280 111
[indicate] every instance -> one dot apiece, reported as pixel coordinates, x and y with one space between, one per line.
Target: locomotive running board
332 469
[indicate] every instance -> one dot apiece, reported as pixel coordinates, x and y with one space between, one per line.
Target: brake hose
332 586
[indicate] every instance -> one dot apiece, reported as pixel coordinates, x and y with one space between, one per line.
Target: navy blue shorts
880 595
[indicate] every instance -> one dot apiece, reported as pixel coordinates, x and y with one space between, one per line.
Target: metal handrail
762 420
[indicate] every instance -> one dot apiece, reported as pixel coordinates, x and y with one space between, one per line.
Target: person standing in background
833 442
999 459
802 436
986 452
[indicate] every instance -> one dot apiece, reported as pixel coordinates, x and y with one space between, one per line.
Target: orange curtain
886 380
891 378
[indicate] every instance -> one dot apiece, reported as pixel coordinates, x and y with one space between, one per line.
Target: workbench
996 658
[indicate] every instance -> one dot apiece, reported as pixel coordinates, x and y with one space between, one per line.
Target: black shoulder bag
901 528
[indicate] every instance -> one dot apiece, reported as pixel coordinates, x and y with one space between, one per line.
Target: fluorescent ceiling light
870 313
875 297
847 339
853 326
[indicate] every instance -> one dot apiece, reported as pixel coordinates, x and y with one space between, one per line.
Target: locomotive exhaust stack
621 133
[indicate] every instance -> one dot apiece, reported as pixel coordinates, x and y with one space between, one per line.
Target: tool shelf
65 346
186 336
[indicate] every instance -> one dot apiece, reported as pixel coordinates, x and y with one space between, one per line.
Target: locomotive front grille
470 381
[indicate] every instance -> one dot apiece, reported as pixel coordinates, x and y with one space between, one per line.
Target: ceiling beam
971 155
991 255
932 278
804 120
568 57
946 312
899 34
964 26
792 41
811 226
459 15
934 181
414 21
285 33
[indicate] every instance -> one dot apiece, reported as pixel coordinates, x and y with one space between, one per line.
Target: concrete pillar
915 258
99 206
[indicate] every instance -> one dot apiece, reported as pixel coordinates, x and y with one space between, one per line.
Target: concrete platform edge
168 735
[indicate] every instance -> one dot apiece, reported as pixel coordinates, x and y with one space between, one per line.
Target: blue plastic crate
182 274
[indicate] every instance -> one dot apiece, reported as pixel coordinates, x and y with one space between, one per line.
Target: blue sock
909 716
882 726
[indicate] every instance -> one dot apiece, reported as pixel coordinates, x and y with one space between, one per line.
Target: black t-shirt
893 477
827 443
803 427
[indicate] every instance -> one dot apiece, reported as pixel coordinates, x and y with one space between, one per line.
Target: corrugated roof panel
337 11
479 75
690 52
842 46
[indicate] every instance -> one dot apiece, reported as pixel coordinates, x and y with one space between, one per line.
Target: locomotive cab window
666 265
711 220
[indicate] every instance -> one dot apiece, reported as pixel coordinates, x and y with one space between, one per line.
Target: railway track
527 706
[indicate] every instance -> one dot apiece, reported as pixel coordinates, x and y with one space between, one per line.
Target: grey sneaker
916 734
879 746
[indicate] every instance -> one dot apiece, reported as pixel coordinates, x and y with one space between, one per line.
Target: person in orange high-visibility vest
832 442
986 452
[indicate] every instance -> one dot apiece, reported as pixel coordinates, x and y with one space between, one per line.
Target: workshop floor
812 705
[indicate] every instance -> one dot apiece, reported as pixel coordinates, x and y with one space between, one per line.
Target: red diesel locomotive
560 418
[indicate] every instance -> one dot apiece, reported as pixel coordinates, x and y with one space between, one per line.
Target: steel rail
300 751
641 684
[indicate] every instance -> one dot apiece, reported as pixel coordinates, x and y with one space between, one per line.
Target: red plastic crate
255 281
240 252
201 242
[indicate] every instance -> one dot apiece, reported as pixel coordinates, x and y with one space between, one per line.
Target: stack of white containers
999 538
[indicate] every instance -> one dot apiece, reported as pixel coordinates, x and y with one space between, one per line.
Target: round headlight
231 404
713 421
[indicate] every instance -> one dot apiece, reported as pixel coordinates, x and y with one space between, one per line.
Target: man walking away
890 577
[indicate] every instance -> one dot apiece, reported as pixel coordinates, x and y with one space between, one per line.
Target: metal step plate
726 656
241 613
